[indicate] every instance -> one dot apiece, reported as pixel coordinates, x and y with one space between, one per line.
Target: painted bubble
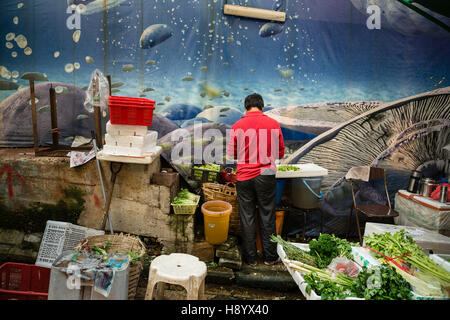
21 41
10 36
9 45
28 51
19 5
15 74
56 54
286 73
69 68
81 8
89 59
16 20
13 54
76 65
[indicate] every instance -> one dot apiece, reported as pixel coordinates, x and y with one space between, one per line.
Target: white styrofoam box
427 239
122 151
145 142
125 130
442 260
307 170
298 276
59 237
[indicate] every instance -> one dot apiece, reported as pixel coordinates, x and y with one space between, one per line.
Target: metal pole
101 181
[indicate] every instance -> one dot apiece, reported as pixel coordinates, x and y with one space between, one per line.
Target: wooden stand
57 150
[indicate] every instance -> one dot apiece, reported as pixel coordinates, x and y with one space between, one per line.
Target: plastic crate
185 209
19 281
59 237
131 111
203 175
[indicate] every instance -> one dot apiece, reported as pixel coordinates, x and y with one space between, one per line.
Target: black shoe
271 263
252 263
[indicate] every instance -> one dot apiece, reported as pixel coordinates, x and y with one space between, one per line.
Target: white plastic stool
180 269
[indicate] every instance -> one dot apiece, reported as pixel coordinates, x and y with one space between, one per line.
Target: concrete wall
138 207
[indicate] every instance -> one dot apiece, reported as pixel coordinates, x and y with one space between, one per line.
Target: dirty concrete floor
228 292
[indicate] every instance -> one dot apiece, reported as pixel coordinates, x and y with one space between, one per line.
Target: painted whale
388 135
154 35
269 29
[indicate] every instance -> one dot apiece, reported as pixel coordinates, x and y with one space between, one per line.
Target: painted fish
188 79
154 35
269 29
127 68
117 84
8 85
37 76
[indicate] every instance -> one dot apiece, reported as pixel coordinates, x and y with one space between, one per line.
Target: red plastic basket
19 281
131 111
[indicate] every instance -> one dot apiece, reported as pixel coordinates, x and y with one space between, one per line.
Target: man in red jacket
256 141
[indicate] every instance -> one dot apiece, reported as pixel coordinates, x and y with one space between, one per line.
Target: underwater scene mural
351 82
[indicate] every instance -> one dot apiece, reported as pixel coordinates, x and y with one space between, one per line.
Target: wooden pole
97 116
109 82
55 135
34 115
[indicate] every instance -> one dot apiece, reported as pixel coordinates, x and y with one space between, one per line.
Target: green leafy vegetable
326 289
295 253
287 167
210 167
185 197
327 247
394 245
381 283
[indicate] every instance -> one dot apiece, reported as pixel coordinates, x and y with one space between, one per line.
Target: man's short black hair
254 100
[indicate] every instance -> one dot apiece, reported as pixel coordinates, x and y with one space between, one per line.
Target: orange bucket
279 227
216 215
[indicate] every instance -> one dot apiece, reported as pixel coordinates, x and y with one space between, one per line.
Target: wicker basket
225 192
185 209
123 243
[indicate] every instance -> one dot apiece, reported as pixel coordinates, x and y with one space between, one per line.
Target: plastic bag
436 194
345 266
101 97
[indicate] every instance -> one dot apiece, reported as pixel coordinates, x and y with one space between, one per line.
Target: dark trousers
260 191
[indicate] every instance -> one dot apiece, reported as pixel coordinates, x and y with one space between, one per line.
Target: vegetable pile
327 247
185 197
426 276
287 167
328 269
210 167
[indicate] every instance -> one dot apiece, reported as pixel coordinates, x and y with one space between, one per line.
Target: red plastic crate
20 281
131 111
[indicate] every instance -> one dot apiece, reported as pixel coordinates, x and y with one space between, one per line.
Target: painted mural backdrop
348 89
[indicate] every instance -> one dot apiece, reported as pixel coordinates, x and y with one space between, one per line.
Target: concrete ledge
265 278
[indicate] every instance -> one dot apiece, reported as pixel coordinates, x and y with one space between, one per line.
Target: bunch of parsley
327 247
381 283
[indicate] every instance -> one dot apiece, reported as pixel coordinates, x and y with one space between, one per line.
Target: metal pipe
101 180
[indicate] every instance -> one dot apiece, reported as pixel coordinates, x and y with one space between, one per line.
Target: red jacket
251 141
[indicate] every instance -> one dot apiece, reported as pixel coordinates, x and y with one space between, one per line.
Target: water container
216 214
305 192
